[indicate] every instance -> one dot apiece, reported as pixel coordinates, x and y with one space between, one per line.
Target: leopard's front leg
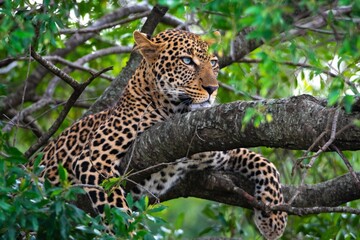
249 164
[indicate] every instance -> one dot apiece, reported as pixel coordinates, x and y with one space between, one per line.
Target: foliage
26 206
322 62
31 209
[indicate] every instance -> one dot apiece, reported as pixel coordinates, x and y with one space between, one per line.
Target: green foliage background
25 207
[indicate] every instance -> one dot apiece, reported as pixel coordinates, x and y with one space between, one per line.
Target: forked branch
78 89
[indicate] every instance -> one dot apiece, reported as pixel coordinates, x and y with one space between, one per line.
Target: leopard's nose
210 89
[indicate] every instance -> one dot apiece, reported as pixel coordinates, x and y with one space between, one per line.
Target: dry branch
348 165
55 70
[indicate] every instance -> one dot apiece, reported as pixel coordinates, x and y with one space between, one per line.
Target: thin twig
104 26
303 65
82 103
88 186
25 112
313 157
191 141
23 95
328 143
315 22
348 165
47 98
313 145
55 70
318 30
239 92
313 210
28 122
157 200
74 65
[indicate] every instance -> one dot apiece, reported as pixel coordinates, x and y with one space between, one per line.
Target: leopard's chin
195 106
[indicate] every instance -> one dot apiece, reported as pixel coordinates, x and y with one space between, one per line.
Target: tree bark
218 186
296 123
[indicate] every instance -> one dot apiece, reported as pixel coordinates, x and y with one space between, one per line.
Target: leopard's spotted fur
176 75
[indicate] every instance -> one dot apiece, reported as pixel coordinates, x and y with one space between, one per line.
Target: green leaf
63 174
56 192
348 102
141 204
207 211
249 113
333 97
179 220
22 34
109 183
130 200
149 236
157 208
357 122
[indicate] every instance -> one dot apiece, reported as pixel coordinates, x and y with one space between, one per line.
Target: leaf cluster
31 209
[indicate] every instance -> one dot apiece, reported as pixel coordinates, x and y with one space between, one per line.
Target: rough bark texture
296 123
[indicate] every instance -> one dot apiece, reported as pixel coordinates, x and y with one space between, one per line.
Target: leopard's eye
187 60
213 62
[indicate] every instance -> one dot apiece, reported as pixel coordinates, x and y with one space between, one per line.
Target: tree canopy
294 66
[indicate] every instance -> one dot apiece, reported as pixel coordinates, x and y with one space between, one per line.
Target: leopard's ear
148 49
212 38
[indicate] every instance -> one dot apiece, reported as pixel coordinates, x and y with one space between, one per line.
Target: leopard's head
183 69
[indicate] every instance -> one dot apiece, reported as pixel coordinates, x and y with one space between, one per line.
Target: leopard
177 75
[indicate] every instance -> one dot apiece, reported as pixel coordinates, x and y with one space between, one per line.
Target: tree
299 45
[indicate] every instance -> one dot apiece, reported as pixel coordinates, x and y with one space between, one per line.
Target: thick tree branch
296 123
229 188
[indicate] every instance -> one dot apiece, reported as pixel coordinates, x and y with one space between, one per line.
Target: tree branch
219 186
55 70
242 46
105 26
296 123
74 96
